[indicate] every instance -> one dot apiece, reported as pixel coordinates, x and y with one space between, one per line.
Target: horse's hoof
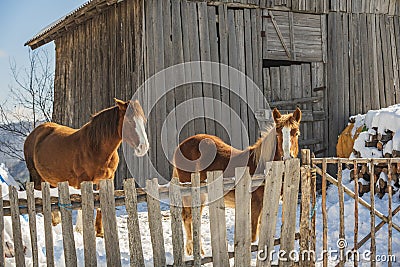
189 248
55 218
55 222
78 229
100 234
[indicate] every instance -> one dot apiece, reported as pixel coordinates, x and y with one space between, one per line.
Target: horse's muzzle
141 149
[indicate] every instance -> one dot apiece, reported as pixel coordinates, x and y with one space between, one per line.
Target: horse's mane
136 110
264 148
287 120
102 126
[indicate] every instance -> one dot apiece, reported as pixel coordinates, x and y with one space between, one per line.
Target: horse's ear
122 105
276 114
297 115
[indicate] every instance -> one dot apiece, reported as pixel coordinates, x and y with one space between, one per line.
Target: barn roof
70 20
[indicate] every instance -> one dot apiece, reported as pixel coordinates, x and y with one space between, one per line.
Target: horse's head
287 130
134 132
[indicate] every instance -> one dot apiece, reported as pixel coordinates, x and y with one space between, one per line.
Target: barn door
302 85
292 36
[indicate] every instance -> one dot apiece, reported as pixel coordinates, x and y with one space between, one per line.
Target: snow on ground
333 231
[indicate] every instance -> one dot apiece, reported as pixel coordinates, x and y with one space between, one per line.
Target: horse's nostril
142 148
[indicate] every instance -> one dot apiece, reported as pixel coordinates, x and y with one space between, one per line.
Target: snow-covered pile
381 135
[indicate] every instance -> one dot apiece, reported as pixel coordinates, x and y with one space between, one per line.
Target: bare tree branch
30 102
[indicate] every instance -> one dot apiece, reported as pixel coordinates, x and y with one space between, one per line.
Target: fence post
176 222
272 191
196 220
313 187
242 217
390 216
66 219
307 217
16 227
356 191
48 230
32 222
107 205
305 212
89 237
135 243
372 213
342 237
215 186
155 222
289 206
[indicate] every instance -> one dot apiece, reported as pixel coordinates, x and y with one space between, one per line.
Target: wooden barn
332 58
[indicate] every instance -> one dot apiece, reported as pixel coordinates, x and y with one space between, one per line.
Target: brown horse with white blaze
55 153
202 153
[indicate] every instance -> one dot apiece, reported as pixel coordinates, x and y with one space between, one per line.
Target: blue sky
20 20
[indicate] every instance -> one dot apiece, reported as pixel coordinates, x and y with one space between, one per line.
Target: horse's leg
203 200
79 223
99 224
256 207
55 217
187 223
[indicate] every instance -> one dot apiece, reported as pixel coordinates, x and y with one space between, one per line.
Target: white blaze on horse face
286 143
143 146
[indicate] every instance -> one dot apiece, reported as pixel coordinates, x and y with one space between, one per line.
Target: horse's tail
35 137
29 147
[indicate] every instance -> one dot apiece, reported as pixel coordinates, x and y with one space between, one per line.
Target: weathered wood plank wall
302 85
390 7
364 74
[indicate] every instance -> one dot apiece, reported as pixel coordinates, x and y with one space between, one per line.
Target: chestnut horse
203 153
55 153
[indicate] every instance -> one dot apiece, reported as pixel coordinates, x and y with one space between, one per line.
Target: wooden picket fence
320 166
288 173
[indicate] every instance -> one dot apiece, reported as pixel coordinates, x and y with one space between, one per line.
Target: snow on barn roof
70 20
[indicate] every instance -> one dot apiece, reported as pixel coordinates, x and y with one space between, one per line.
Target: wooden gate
321 167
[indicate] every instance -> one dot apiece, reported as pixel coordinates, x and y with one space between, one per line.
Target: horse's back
42 132
201 153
